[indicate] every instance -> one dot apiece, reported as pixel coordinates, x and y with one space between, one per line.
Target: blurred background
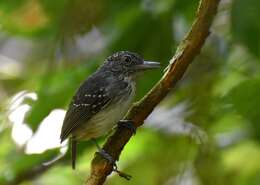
206 132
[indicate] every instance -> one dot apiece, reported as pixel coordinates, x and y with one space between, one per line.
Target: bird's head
128 63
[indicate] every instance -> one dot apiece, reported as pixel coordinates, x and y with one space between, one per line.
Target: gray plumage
104 98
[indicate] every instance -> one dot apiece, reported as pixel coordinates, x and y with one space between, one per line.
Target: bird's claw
108 157
120 173
103 153
127 124
111 161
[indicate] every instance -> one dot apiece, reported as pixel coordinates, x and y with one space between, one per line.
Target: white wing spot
76 105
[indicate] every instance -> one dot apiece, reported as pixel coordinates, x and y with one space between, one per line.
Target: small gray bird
103 99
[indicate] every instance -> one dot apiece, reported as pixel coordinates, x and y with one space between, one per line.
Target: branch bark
186 52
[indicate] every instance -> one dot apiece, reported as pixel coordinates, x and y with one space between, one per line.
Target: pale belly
101 123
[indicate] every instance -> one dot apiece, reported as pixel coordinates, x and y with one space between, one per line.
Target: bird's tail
73 152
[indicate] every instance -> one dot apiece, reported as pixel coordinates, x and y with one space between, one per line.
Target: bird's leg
129 124
108 157
103 153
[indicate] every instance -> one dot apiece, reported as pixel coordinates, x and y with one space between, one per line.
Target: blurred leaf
237 163
61 175
27 18
246 100
80 16
234 158
245 24
10 5
55 91
149 146
37 18
187 8
17 164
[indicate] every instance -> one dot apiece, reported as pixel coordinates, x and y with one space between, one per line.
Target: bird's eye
127 59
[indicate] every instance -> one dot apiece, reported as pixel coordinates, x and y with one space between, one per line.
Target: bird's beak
147 65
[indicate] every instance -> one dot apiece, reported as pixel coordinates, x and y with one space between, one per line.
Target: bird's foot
110 159
103 153
127 124
120 173
106 155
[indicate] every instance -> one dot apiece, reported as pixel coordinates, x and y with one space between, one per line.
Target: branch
186 52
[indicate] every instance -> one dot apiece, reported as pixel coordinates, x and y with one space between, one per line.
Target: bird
103 99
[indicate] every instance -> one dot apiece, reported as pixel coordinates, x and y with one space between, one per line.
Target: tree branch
186 52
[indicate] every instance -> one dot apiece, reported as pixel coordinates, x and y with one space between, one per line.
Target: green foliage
246 100
52 50
244 24
51 90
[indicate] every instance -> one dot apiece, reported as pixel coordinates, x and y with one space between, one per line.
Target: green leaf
245 27
245 98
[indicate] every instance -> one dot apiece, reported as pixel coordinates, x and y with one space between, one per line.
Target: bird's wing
89 100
